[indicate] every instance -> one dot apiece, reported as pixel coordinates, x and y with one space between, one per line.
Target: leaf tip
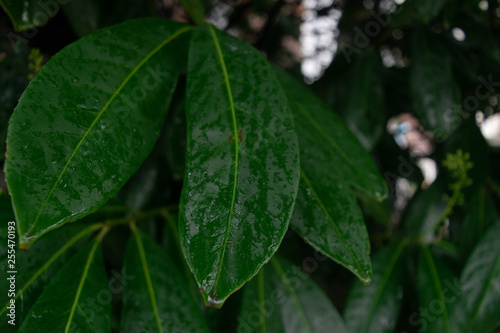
212 301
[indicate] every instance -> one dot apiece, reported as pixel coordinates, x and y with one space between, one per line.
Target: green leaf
157 299
435 292
479 216
282 299
84 16
196 10
139 192
375 308
352 163
364 108
30 13
477 310
326 212
425 209
429 9
77 296
435 94
36 268
79 132
242 169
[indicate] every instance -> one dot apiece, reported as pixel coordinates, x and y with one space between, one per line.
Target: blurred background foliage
417 81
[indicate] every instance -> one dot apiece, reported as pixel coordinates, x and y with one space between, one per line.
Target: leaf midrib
147 276
98 117
293 295
486 290
97 241
236 148
385 278
437 286
328 138
335 226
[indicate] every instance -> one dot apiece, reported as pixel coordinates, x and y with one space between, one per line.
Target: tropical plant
156 167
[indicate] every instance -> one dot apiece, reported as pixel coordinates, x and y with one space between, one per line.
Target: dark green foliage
154 168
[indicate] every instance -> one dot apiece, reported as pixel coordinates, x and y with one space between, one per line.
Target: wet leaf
436 293
36 268
77 296
477 310
375 308
242 167
326 212
282 299
157 299
88 120
435 94
364 109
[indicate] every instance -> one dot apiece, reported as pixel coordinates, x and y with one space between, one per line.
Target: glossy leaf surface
435 95
375 308
364 109
477 310
326 212
77 296
157 299
242 164
436 293
88 120
36 268
282 299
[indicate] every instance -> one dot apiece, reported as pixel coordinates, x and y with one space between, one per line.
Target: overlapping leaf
375 308
332 159
282 299
477 310
83 305
479 217
435 94
36 268
88 120
437 291
364 108
157 299
242 164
